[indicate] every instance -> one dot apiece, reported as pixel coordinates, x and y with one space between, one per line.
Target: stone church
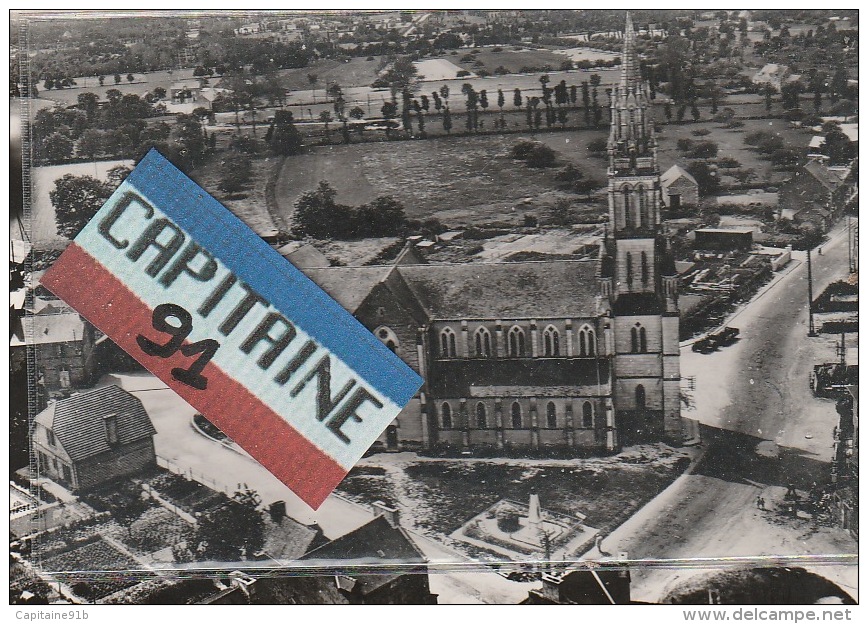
537 356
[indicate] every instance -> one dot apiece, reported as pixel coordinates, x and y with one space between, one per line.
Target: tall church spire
630 76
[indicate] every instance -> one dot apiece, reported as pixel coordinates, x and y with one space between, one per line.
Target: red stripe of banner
108 304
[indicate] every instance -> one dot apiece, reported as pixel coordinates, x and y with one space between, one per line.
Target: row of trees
318 214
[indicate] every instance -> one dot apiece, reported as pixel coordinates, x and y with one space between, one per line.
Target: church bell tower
638 276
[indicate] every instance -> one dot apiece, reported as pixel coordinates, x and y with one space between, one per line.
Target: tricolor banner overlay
201 301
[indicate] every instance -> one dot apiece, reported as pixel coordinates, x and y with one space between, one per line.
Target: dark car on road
712 342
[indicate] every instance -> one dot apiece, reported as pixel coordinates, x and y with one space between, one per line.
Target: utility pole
811 331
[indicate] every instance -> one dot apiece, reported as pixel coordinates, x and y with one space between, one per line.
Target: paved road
762 429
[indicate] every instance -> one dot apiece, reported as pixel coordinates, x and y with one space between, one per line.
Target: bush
235 172
704 149
728 162
701 132
685 145
462 73
541 156
597 146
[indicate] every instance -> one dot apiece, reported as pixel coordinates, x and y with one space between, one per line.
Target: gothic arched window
482 338
481 417
587 342
640 397
644 267
551 416
643 341
447 343
640 212
629 260
516 415
551 342
626 191
587 415
516 341
634 339
446 416
388 338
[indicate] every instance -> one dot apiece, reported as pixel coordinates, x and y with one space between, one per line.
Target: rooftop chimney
391 514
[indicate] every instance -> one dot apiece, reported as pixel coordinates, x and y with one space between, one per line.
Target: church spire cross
630 77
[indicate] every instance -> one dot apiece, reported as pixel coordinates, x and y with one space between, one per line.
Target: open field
142 84
460 180
438 69
510 57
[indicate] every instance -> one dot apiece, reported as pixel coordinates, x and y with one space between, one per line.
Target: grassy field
509 57
460 180
357 72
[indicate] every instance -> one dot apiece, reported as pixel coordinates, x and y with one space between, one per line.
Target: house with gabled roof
93 437
62 343
679 188
814 194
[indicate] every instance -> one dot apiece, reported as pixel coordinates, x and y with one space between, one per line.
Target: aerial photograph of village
619 248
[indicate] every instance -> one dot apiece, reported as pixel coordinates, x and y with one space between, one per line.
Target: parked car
712 342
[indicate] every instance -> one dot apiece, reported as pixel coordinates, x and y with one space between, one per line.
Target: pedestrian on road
762 503
759 499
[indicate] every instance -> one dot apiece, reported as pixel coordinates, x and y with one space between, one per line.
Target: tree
117 174
382 217
283 137
190 140
312 79
706 177
516 98
89 103
318 215
234 530
117 78
159 93
667 110
357 112
131 78
235 172
401 74
89 143
76 199
101 80
56 147
447 120
768 91
326 117
790 93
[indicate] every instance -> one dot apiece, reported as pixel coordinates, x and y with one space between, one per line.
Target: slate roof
51 329
822 174
77 422
347 285
506 290
304 255
674 173
288 539
375 543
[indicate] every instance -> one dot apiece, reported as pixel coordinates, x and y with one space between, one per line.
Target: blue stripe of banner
272 276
